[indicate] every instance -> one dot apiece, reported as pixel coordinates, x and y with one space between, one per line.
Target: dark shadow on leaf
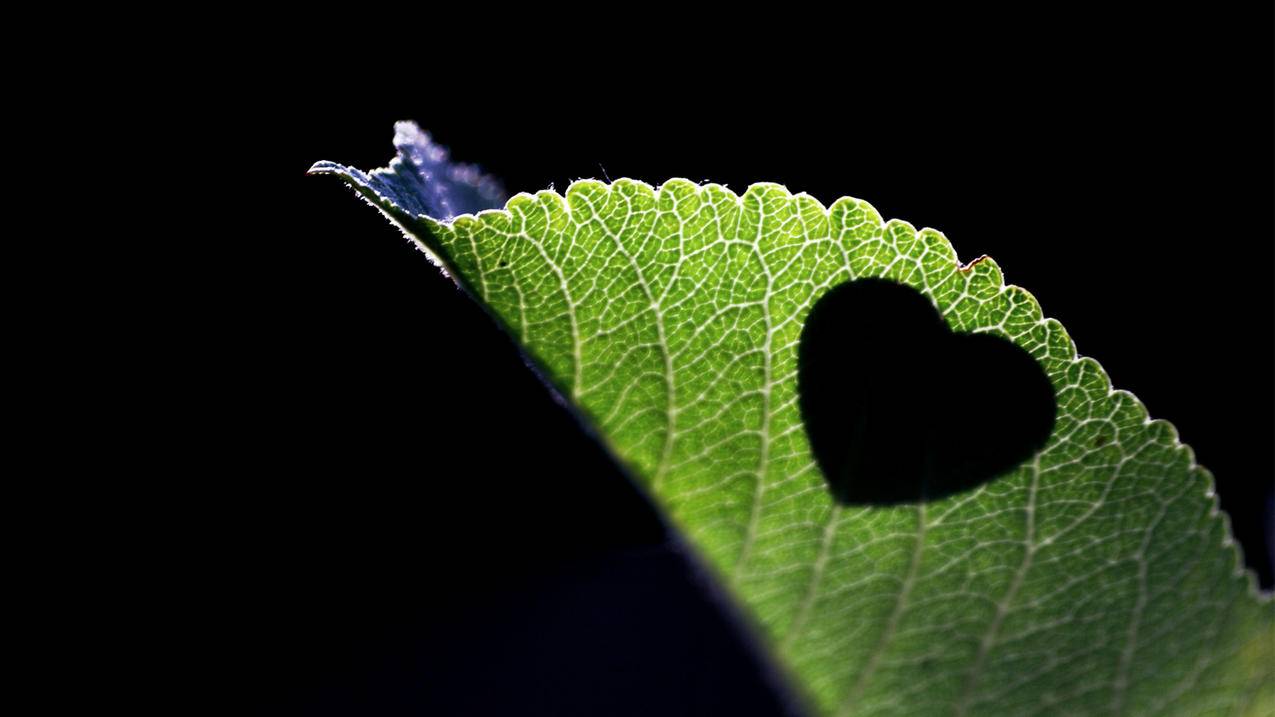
898 408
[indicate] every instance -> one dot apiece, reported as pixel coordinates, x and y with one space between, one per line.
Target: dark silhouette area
417 526
899 408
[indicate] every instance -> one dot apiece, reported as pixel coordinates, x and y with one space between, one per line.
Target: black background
408 522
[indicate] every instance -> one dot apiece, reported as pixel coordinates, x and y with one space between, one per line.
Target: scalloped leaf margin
1099 577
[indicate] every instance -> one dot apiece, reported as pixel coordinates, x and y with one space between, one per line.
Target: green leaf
1097 577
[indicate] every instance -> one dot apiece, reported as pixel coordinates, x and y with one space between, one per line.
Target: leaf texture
1098 577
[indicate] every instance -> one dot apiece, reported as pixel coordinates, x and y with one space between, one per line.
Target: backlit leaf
1096 577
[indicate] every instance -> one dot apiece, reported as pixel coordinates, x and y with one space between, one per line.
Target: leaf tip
325 167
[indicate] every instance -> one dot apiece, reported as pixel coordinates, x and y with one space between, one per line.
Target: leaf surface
1096 577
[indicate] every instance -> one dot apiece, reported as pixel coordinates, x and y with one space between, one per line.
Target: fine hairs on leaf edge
982 265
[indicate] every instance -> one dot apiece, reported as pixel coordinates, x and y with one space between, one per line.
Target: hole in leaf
898 408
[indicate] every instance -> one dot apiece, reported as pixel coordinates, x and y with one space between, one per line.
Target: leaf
1096 577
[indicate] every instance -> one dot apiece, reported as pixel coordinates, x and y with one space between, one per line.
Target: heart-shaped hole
898 408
